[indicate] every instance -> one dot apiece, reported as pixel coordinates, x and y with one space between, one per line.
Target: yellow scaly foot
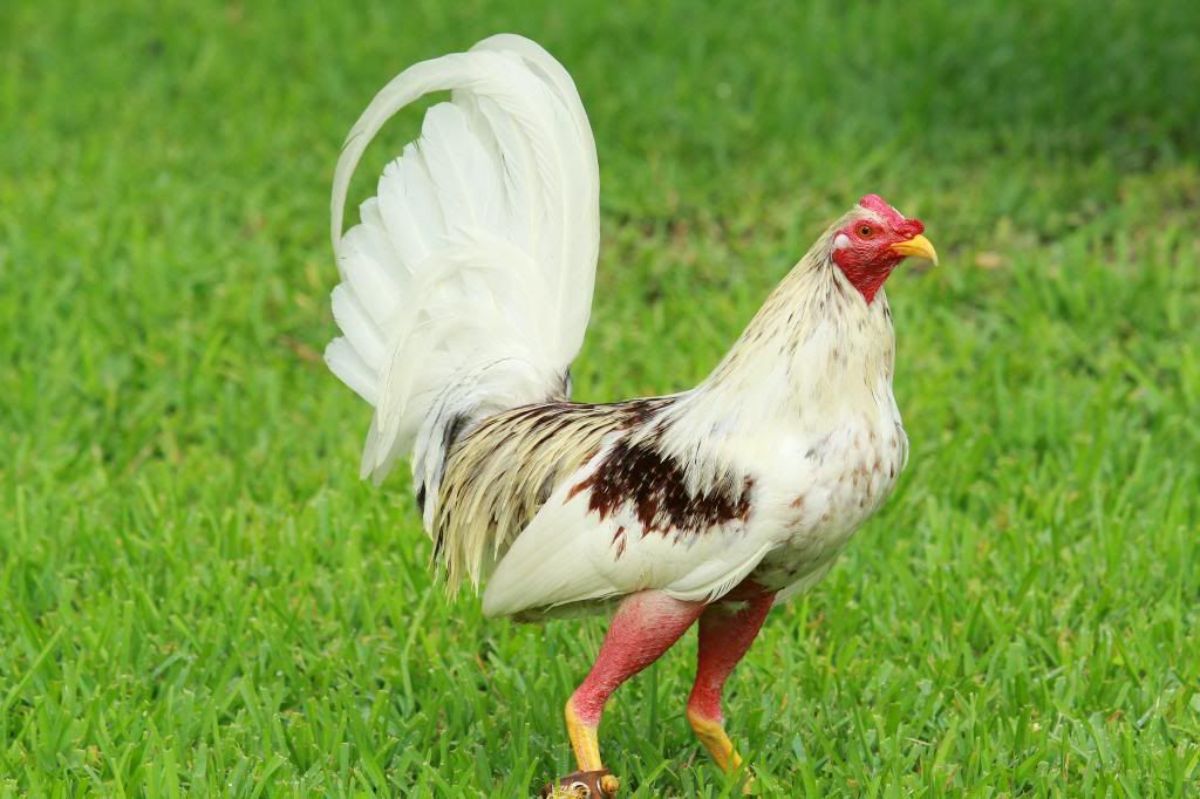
592 781
712 734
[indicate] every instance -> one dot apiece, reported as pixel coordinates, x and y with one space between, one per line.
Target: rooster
464 296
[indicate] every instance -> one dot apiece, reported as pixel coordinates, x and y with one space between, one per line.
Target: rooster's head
872 239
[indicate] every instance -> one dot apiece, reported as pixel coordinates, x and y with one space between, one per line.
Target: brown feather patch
655 486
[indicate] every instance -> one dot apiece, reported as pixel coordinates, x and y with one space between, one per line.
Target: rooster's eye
865 231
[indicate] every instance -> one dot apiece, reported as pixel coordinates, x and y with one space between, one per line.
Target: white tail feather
466 287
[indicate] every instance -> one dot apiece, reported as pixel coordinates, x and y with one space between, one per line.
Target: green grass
197 595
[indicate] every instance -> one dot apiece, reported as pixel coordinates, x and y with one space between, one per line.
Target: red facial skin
869 259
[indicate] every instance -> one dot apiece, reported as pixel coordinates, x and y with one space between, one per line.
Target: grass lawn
198 596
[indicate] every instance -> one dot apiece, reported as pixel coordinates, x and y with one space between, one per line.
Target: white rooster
464 297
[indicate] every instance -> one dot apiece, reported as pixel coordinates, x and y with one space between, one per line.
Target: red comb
902 225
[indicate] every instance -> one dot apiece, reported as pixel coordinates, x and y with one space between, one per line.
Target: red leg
645 626
726 631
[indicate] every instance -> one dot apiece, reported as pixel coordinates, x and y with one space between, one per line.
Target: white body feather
465 293
803 413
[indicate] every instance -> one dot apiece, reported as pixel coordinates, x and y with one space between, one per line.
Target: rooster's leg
727 629
644 626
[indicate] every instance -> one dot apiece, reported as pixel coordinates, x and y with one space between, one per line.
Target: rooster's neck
814 351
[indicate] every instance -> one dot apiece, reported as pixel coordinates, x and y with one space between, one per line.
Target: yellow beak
918 246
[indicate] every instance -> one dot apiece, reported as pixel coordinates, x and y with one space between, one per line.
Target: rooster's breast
823 491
